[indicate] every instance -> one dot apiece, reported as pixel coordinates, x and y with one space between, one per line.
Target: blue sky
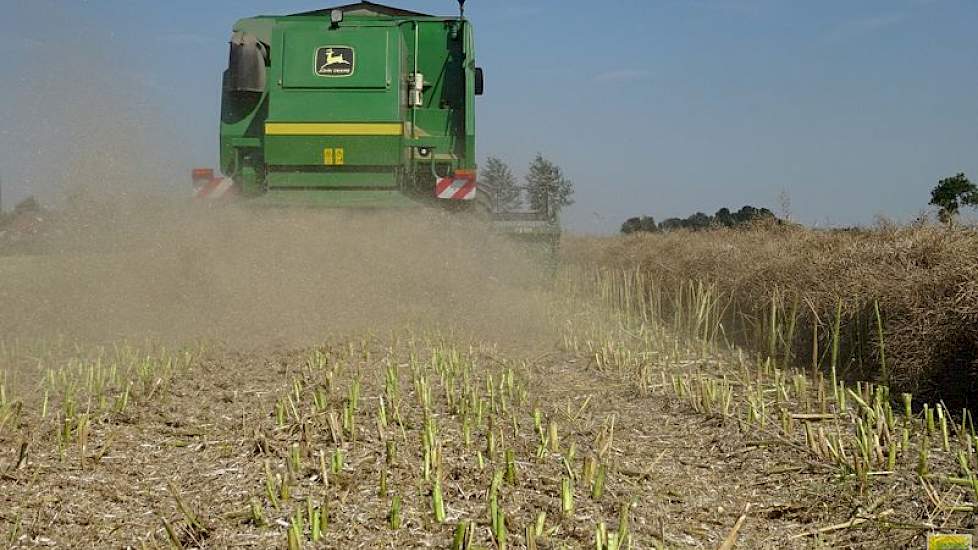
849 109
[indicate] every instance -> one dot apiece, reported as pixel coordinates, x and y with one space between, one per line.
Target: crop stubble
218 430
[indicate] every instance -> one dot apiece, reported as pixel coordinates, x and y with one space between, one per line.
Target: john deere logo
334 61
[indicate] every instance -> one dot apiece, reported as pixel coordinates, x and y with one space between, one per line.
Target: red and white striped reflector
460 187
216 188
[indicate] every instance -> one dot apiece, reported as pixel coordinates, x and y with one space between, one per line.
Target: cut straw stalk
438 501
394 515
731 540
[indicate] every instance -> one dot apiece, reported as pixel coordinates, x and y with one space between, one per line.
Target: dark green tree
748 214
951 194
631 225
546 185
645 224
698 220
672 223
724 218
648 224
497 176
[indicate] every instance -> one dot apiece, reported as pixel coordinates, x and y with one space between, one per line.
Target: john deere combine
361 105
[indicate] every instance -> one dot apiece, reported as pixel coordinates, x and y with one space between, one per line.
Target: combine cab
360 105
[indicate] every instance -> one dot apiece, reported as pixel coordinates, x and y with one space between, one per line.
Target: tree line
699 221
545 186
950 195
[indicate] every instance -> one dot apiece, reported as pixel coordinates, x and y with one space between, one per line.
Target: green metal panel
468 109
439 59
357 150
298 94
337 199
331 178
333 106
369 62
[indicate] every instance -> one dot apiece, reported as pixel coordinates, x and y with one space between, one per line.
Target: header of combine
358 105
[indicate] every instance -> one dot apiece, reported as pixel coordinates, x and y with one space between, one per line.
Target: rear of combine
357 106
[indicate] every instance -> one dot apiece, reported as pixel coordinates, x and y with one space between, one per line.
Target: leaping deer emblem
333 59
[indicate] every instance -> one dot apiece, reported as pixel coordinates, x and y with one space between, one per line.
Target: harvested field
502 414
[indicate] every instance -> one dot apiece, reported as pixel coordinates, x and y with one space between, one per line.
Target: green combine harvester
361 105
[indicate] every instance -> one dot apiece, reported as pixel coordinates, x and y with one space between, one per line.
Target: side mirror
480 81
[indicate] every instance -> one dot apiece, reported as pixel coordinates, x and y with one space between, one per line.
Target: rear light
201 177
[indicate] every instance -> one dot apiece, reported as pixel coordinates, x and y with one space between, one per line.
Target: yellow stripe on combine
334 129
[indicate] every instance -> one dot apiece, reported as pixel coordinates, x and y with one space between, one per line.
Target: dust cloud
258 276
